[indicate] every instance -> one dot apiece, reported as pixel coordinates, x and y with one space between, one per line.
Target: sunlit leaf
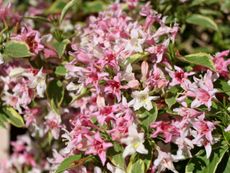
203 21
17 49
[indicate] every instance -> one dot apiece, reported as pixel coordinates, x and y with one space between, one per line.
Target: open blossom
202 90
136 41
31 116
39 82
22 85
32 38
22 151
203 135
129 76
53 123
142 99
205 93
134 142
113 87
7 14
178 76
132 3
221 64
98 146
157 78
167 129
121 126
164 161
4 10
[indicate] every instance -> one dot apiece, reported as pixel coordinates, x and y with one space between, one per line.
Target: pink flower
31 116
81 55
114 87
168 130
32 38
178 76
158 50
98 146
146 10
53 123
132 3
203 135
49 53
157 78
21 85
187 112
7 14
4 11
221 64
121 126
129 77
164 161
202 90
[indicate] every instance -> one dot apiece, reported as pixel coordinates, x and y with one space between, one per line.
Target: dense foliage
123 87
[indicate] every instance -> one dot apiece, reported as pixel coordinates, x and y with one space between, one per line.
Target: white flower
66 26
97 170
35 170
227 129
142 99
228 82
53 121
164 161
16 72
136 41
40 83
1 59
134 142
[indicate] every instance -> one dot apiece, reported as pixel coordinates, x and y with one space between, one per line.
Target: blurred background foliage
204 24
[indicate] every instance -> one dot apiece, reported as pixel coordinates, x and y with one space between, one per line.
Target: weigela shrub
111 94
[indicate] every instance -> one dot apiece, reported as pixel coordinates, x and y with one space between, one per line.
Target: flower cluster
121 97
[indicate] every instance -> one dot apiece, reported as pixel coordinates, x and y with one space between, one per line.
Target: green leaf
68 163
17 49
147 158
202 59
13 116
203 21
171 96
56 7
137 167
227 136
55 93
201 2
60 47
200 163
93 6
3 119
135 58
67 7
83 92
60 70
37 18
227 168
148 117
223 86
115 156
118 160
